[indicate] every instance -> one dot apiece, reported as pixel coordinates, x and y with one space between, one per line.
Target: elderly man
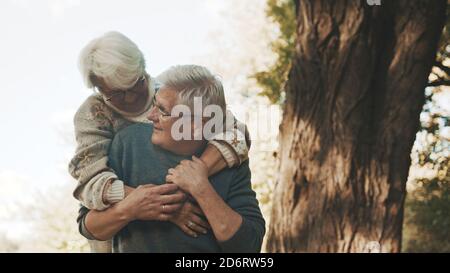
227 215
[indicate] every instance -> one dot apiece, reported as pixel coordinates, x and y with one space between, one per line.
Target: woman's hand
189 175
152 202
188 218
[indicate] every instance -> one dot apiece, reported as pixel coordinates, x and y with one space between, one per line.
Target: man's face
165 100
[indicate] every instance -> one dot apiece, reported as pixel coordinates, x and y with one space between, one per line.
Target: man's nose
153 115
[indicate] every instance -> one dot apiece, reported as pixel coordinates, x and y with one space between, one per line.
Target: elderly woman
147 155
115 68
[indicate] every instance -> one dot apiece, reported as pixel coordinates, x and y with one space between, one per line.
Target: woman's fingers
171 208
173 198
196 227
188 231
199 222
196 209
165 188
164 217
146 186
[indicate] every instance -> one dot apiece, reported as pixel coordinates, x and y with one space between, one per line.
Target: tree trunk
353 99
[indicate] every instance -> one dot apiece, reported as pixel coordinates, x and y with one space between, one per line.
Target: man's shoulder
133 142
136 131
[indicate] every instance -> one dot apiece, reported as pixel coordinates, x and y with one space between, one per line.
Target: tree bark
353 99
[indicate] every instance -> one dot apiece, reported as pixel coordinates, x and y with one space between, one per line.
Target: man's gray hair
192 81
114 58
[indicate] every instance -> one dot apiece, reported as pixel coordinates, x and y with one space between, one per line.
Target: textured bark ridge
354 96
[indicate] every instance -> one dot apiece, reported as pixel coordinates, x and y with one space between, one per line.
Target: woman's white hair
192 81
114 58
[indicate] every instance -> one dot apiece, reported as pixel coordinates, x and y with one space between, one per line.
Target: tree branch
442 67
439 82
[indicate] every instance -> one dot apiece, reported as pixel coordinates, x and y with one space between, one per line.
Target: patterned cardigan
96 123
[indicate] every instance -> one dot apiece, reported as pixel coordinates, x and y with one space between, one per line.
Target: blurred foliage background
427 207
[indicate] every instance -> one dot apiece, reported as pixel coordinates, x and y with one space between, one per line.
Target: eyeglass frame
164 115
141 79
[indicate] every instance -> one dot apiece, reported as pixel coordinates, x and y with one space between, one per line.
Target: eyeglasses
163 115
120 95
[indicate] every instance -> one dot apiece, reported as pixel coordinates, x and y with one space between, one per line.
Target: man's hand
190 176
188 218
152 202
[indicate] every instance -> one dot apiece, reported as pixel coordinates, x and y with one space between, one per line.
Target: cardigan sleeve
94 132
234 143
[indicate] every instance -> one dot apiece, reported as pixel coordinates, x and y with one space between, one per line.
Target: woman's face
131 100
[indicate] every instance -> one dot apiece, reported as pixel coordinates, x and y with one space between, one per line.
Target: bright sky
40 84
